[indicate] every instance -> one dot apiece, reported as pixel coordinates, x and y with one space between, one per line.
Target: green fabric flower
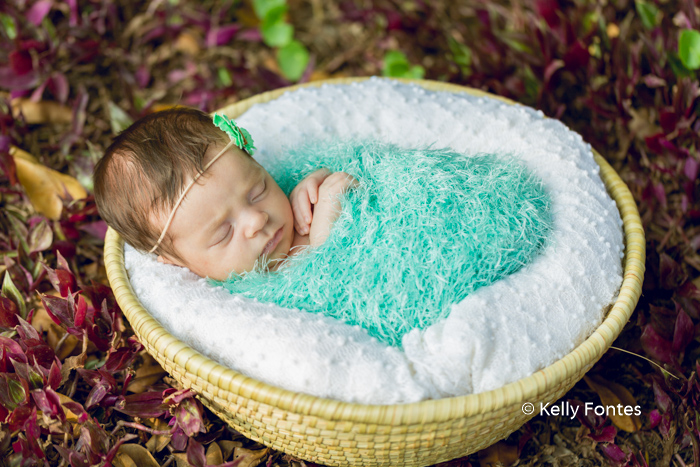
238 135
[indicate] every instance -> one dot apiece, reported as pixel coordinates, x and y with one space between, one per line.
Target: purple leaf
671 274
10 79
8 313
656 346
28 374
74 458
222 35
12 393
691 168
660 193
62 311
653 81
606 435
144 405
174 396
48 402
55 374
26 331
552 68
665 425
97 229
179 440
80 312
98 392
613 452
74 15
663 401
577 56
654 418
58 85
250 35
12 349
548 9
195 454
38 11
668 120
143 76
189 417
683 332
78 410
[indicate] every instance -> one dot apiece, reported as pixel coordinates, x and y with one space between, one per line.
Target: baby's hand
328 207
303 196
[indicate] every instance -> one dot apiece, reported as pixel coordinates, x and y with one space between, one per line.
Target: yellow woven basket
336 433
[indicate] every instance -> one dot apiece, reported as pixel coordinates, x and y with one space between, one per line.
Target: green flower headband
239 136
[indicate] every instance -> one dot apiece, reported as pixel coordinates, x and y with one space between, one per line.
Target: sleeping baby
176 185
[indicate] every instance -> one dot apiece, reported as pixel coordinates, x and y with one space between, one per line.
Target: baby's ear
164 260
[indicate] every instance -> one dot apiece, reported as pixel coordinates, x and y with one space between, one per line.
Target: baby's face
230 218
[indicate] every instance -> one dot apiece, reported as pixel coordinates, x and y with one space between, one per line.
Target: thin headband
182 196
239 137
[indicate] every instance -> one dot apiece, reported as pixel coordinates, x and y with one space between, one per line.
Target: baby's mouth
270 246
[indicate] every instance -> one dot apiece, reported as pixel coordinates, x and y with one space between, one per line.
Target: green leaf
225 77
8 24
277 34
10 291
119 119
16 391
462 56
396 66
47 24
532 84
677 66
689 48
416 72
293 59
647 12
262 7
516 45
589 21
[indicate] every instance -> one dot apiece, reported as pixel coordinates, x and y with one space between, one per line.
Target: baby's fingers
302 213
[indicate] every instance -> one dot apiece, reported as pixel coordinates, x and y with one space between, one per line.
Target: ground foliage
77 389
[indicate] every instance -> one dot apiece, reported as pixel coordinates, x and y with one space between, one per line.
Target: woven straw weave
337 433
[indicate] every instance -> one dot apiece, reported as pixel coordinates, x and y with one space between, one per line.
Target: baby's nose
257 221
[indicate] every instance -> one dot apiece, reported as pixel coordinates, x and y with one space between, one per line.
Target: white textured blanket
496 335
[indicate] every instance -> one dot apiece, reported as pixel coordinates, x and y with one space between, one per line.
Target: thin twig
652 362
138 426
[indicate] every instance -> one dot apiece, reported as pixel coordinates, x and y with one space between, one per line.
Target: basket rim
428 411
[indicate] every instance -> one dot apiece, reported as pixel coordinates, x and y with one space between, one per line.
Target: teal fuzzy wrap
424 229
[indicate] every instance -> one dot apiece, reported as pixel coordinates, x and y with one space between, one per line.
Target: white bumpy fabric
495 336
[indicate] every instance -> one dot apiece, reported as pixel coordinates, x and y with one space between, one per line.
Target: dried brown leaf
249 458
613 394
123 460
44 186
187 43
134 454
228 446
500 453
146 375
158 442
42 111
214 455
642 123
181 460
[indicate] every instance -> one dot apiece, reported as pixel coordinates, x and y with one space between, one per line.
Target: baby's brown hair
144 170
